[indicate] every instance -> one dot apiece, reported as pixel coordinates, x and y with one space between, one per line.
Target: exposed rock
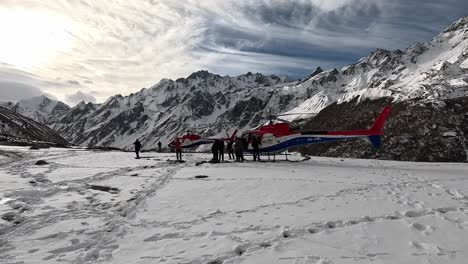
10 216
104 188
41 162
13 218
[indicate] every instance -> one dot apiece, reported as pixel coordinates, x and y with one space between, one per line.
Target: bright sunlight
32 39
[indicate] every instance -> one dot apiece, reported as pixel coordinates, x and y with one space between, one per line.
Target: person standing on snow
137 148
256 148
178 147
221 150
230 149
159 146
214 150
239 150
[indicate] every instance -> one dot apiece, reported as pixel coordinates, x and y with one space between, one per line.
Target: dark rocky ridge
18 128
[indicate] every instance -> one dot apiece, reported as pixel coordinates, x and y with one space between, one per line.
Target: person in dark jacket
256 148
159 146
230 149
137 148
214 150
239 150
221 150
178 147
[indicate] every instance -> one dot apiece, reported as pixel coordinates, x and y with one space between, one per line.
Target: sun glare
32 39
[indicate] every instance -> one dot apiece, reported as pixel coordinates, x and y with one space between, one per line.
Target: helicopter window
268 138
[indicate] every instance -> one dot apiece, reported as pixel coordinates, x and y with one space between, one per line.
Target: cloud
74 82
78 97
16 85
130 46
13 91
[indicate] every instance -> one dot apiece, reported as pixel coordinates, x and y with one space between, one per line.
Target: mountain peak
316 72
36 102
200 74
81 104
460 24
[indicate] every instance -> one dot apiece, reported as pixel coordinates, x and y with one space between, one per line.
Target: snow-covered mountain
41 109
432 71
173 107
17 128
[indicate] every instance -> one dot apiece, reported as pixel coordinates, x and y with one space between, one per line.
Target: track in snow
317 211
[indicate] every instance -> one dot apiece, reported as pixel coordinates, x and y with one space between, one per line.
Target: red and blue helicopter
276 138
191 140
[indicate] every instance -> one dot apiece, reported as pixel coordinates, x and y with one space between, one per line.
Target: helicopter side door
268 140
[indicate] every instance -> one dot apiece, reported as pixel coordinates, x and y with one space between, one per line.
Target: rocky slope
17 128
415 131
40 108
173 107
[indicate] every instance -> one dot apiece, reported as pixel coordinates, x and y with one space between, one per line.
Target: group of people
235 149
218 150
137 145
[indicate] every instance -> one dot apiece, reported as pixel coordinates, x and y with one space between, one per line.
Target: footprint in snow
415 213
49 257
419 227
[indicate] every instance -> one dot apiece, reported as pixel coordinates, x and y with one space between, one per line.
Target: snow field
107 207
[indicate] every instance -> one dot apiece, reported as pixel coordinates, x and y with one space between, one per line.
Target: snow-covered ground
321 210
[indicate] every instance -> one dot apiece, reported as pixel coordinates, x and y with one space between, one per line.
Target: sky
75 50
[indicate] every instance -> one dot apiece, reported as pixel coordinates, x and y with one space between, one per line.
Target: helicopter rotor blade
284 121
288 114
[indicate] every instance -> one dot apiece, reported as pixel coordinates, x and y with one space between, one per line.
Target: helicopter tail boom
380 121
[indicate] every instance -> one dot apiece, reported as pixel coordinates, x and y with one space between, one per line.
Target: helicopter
279 137
191 140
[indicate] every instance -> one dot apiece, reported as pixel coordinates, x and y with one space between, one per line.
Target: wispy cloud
78 97
122 46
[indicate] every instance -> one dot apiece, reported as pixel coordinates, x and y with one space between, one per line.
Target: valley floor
107 207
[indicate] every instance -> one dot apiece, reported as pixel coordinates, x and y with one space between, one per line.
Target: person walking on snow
159 146
137 148
178 147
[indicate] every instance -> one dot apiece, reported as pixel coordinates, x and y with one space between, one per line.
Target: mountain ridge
17 128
